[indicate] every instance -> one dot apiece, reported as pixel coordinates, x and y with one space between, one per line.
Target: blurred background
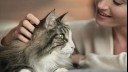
16 10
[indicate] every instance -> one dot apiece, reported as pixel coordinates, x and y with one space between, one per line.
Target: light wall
17 9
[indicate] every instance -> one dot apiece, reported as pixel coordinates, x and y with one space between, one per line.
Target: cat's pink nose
72 47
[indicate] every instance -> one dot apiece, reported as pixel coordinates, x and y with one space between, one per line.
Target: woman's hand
23 31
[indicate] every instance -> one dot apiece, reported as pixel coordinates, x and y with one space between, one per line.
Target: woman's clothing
96 43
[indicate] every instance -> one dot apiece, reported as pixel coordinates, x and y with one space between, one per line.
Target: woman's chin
103 23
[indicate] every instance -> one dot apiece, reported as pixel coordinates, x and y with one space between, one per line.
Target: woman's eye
118 2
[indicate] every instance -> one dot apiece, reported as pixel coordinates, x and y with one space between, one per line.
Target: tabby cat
48 50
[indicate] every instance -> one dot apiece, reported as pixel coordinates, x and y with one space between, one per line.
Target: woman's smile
102 15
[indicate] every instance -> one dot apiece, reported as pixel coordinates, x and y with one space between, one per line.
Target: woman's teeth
103 14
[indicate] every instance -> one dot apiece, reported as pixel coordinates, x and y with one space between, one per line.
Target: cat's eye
61 36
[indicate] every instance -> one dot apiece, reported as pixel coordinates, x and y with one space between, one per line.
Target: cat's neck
50 62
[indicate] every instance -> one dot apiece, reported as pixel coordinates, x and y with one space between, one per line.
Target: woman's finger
22 38
25 32
28 25
32 19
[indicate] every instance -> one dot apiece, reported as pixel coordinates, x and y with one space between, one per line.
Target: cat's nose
73 47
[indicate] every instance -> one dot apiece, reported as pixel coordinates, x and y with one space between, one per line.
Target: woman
100 43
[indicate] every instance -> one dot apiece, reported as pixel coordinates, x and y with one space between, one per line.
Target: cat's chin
66 54
61 53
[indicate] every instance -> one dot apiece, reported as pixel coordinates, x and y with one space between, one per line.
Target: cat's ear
48 21
61 17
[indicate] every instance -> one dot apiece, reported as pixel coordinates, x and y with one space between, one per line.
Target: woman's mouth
102 15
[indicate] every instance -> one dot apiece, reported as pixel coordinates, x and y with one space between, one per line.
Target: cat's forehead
62 27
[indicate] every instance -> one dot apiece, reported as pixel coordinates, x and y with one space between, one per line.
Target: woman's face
111 13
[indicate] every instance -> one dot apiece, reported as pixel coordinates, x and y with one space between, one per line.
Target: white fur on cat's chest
50 63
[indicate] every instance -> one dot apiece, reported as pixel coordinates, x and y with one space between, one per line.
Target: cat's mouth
67 53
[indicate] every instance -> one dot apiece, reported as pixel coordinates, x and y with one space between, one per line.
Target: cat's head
52 34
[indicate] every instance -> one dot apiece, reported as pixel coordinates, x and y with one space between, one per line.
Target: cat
48 50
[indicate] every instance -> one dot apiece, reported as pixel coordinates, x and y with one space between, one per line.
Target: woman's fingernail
37 22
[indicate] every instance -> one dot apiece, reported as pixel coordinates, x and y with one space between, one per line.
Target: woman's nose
103 4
